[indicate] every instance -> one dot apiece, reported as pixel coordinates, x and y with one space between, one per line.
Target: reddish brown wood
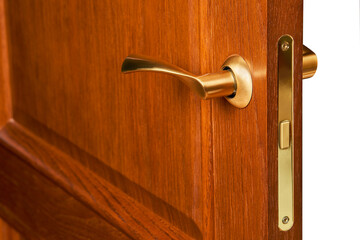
68 89
141 154
111 204
238 135
287 18
8 233
5 99
54 215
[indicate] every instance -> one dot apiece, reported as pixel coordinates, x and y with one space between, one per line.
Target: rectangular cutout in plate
285 133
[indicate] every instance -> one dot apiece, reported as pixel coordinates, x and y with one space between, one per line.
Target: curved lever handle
233 81
207 86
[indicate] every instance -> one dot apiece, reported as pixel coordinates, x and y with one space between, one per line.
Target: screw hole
285 220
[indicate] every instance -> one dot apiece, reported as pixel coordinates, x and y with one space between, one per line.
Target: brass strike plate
285 133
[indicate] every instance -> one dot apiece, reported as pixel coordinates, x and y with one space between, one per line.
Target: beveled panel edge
117 208
8 232
35 206
5 93
132 189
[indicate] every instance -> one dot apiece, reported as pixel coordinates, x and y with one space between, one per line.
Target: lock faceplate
285 133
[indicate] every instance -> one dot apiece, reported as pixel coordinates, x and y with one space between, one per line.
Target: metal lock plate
285 133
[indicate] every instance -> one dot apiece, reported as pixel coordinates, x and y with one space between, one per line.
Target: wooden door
89 153
8 233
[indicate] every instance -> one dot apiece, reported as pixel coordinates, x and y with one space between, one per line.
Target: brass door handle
309 63
233 81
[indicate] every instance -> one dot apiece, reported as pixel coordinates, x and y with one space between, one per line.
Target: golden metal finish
286 133
243 80
309 63
233 81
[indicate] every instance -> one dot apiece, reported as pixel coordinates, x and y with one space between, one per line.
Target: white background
331 122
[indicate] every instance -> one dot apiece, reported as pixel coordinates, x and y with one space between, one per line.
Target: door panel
54 215
239 135
141 151
7 233
66 80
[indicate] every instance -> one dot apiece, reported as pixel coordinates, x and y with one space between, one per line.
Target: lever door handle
233 81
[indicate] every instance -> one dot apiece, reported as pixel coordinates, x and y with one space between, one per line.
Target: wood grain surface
140 155
5 99
7 232
144 129
111 204
238 135
286 18
54 215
